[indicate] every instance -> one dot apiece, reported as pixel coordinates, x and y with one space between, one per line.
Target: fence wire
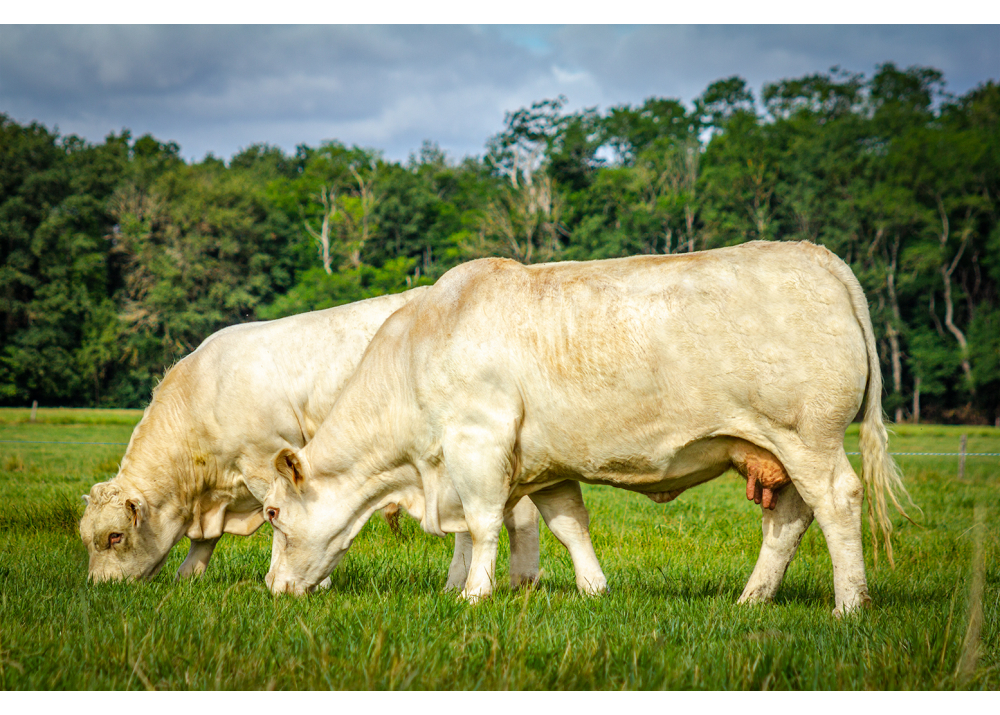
31 441
935 454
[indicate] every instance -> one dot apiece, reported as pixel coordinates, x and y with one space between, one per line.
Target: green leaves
119 258
317 290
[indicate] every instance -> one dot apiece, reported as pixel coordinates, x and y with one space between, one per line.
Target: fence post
961 459
34 409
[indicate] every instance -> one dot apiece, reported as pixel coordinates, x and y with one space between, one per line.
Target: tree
119 258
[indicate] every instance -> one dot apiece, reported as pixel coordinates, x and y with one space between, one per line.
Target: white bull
200 460
650 373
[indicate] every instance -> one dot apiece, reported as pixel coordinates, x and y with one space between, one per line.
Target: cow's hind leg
521 521
828 485
197 558
783 528
566 516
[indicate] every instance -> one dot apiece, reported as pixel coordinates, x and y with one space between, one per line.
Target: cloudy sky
218 88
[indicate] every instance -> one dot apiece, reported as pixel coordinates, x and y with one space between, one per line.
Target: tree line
120 257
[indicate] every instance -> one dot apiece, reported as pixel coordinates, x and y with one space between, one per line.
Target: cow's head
123 534
315 519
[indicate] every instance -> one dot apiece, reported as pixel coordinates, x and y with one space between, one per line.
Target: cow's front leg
783 529
484 528
477 457
521 521
458 572
197 558
566 516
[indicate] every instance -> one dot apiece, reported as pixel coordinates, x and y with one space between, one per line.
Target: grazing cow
649 373
200 460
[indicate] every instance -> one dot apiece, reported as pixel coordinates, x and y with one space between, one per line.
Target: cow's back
283 375
642 356
251 389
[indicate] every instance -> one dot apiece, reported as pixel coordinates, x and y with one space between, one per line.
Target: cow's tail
879 471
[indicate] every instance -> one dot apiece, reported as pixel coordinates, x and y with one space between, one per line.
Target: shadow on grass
59 513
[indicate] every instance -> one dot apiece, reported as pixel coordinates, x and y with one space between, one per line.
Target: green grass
671 620
70 416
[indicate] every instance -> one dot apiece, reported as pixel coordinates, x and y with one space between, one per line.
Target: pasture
670 622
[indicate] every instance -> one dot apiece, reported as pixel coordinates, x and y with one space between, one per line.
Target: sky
221 88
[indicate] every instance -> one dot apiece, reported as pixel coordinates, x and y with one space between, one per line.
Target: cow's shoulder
458 290
476 275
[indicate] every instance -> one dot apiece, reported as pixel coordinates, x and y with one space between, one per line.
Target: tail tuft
882 476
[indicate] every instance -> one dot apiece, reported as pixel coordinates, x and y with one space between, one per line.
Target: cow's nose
279 584
283 584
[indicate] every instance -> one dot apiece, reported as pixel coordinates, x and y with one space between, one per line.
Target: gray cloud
682 60
221 88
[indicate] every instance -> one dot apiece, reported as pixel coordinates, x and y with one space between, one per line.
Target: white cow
650 373
200 460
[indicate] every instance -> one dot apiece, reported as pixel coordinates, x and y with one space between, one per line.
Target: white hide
200 460
650 373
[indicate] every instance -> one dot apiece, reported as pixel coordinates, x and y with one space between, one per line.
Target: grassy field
671 620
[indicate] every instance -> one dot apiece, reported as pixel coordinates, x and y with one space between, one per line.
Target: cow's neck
369 443
371 428
169 460
370 472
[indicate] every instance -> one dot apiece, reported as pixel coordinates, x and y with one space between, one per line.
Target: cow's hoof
184 573
527 580
754 598
863 601
597 587
472 598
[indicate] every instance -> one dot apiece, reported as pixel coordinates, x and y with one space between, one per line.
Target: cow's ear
288 465
86 499
136 510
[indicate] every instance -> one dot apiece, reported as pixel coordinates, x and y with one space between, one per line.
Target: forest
119 258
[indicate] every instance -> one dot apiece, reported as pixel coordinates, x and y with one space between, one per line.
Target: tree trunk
329 200
949 314
897 365
916 401
366 191
937 323
689 221
325 243
892 332
691 156
949 307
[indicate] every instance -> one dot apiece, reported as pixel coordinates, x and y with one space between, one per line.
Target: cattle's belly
664 476
675 468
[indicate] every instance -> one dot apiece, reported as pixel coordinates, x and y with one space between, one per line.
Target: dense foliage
119 258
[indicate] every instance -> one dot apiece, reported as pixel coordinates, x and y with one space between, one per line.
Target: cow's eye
272 513
113 539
